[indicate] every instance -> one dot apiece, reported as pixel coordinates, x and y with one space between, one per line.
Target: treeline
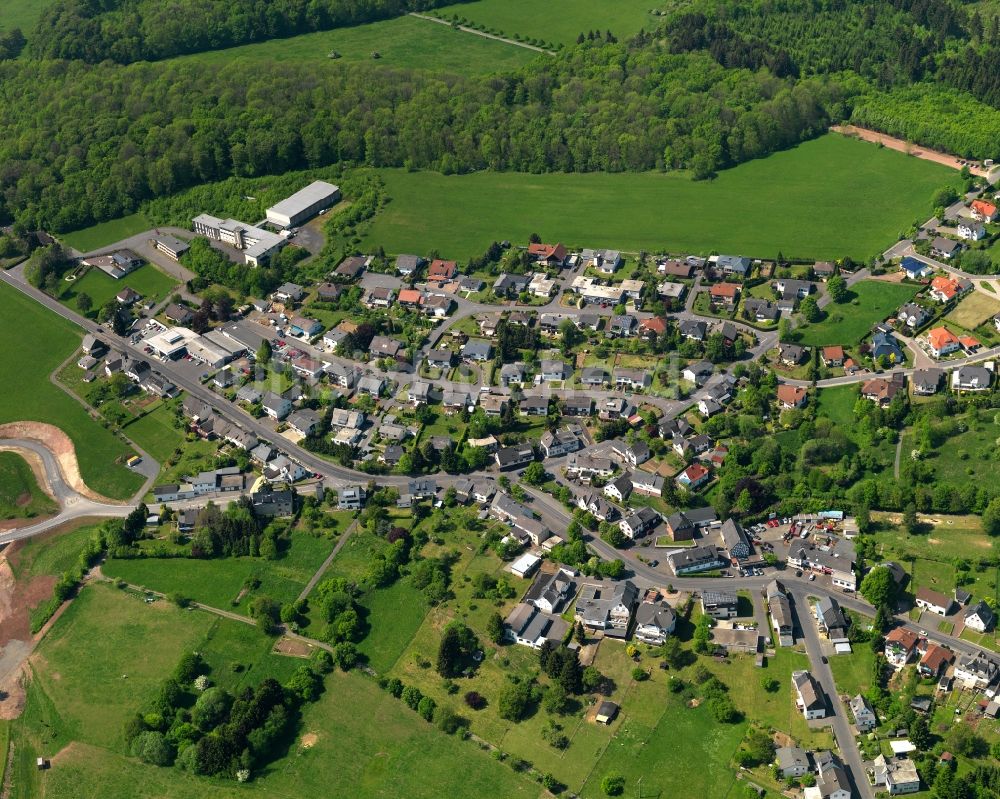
206 730
938 117
149 30
88 143
213 266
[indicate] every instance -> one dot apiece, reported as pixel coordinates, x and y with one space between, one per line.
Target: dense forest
149 30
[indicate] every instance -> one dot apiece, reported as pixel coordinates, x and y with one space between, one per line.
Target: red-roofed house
410 297
983 211
726 293
944 289
936 658
791 396
693 476
653 326
549 254
969 344
942 341
900 645
441 270
833 356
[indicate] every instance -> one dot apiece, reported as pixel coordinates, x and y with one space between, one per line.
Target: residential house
597 506
437 305
514 457
941 341
973 231
980 617
719 604
548 254
528 626
809 697
733 265
553 370
971 378
558 443
725 293
632 379
698 372
824 270
512 374
833 356
351 267
418 393
587 466
478 351
934 601
674 268
945 248
380 297
914 268
440 358
836 560
341 374
620 488
654 621
594 376
831 619
780 610
639 523
384 347
897 774
693 477
977 671
984 211
459 399
831 782
926 381
792 761
508 285
881 390
913 315
541 285
760 310
682 525
945 289
900 646
333 339
864 717
694 329
884 345
647 483
607 606
935 660
532 405
622 326
793 290
275 405
695 559
304 422
549 592
352 420
791 396
671 292
442 270
410 298
288 292
408 265
606 261
791 354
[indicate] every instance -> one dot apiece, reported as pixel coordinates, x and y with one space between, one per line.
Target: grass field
394 616
94 237
51 553
20 495
367 744
556 21
837 405
20 14
975 309
405 42
155 432
853 672
968 455
36 356
849 322
791 201
147 280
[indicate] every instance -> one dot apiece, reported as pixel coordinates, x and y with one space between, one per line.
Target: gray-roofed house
549 592
607 606
408 264
980 617
735 540
809 696
792 761
639 522
477 351
593 376
528 626
733 265
554 369
654 621
864 716
926 381
693 329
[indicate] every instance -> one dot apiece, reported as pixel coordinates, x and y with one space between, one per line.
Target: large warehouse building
304 204
258 245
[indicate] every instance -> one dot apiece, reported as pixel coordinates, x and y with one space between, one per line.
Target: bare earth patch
293 647
309 740
61 447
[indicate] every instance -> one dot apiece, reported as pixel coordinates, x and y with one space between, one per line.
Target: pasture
21 14
792 202
849 322
20 495
556 21
405 43
103 234
147 280
975 309
44 340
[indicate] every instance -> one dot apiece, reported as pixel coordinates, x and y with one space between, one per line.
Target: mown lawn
100 235
41 341
556 21
147 280
155 432
20 495
792 201
849 322
405 42
394 615
853 673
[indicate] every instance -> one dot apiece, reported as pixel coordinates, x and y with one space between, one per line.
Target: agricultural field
556 21
147 280
975 309
20 495
101 235
35 357
849 322
791 202
405 42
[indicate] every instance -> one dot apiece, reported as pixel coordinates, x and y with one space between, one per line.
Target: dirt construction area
61 446
906 147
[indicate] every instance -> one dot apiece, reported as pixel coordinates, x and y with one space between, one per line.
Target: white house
980 617
809 696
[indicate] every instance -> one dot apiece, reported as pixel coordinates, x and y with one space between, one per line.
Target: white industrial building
304 204
257 244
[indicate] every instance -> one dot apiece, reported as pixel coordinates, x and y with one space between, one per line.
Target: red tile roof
984 208
941 337
791 395
546 251
728 290
410 296
900 635
441 270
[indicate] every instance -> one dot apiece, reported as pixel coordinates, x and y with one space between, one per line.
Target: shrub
613 784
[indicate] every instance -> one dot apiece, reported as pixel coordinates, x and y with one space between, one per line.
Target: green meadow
825 199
